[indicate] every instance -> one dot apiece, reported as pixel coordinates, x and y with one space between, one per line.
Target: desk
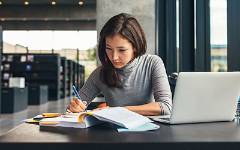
222 135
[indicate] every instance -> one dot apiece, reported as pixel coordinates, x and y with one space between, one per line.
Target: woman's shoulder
98 69
96 72
151 58
154 62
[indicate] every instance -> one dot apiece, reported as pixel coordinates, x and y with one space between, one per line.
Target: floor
9 121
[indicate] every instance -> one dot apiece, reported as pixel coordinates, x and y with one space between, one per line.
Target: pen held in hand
75 92
78 96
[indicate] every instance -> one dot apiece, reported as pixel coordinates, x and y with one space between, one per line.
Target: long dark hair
128 27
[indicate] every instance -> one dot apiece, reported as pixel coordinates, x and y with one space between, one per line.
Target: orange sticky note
50 115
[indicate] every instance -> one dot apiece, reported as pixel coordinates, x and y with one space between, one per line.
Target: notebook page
63 122
70 121
121 116
60 119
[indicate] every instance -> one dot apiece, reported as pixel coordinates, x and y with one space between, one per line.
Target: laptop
204 97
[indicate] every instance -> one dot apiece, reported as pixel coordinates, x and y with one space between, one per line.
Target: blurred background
49 45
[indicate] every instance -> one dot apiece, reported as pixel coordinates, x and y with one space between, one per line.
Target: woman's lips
116 63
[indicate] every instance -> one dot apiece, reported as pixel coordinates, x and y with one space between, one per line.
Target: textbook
124 119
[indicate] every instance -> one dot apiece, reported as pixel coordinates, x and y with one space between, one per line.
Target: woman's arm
161 91
161 88
87 93
150 109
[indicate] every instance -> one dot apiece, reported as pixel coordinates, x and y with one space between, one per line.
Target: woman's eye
122 50
108 49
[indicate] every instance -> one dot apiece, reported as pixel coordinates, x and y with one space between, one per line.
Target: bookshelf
78 74
37 94
57 73
38 69
74 75
14 99
69 77
63 78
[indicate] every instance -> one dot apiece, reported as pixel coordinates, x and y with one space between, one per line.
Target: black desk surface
221 135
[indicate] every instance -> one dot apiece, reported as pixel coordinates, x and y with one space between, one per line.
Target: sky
45 40
218 22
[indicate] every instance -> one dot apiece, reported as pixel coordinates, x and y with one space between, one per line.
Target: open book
119 116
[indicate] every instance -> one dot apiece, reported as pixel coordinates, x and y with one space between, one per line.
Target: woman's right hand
76 105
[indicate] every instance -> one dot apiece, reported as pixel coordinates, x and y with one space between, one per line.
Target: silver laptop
204 97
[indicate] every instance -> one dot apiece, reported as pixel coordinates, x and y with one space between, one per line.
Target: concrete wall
143 10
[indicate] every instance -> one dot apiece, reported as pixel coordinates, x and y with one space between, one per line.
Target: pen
75 92
77 95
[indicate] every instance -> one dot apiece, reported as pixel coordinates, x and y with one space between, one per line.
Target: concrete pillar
143 10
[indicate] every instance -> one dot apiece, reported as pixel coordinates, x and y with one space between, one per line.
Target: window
177 33
66 43
218 35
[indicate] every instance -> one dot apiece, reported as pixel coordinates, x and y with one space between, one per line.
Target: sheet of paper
69 121
122 117
145 127
61 119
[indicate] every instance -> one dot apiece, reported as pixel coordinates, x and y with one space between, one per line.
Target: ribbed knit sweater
143 80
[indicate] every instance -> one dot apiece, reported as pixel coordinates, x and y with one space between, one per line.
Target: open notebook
119 116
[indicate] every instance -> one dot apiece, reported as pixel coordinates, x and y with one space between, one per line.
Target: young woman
127 77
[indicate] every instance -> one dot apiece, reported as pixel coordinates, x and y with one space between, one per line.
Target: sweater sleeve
90 89
161 88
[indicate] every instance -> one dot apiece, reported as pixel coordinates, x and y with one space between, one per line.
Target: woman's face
119 50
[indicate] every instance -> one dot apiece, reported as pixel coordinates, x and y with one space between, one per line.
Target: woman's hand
76 106
150 109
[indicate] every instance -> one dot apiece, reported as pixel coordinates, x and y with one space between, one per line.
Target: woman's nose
115 56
